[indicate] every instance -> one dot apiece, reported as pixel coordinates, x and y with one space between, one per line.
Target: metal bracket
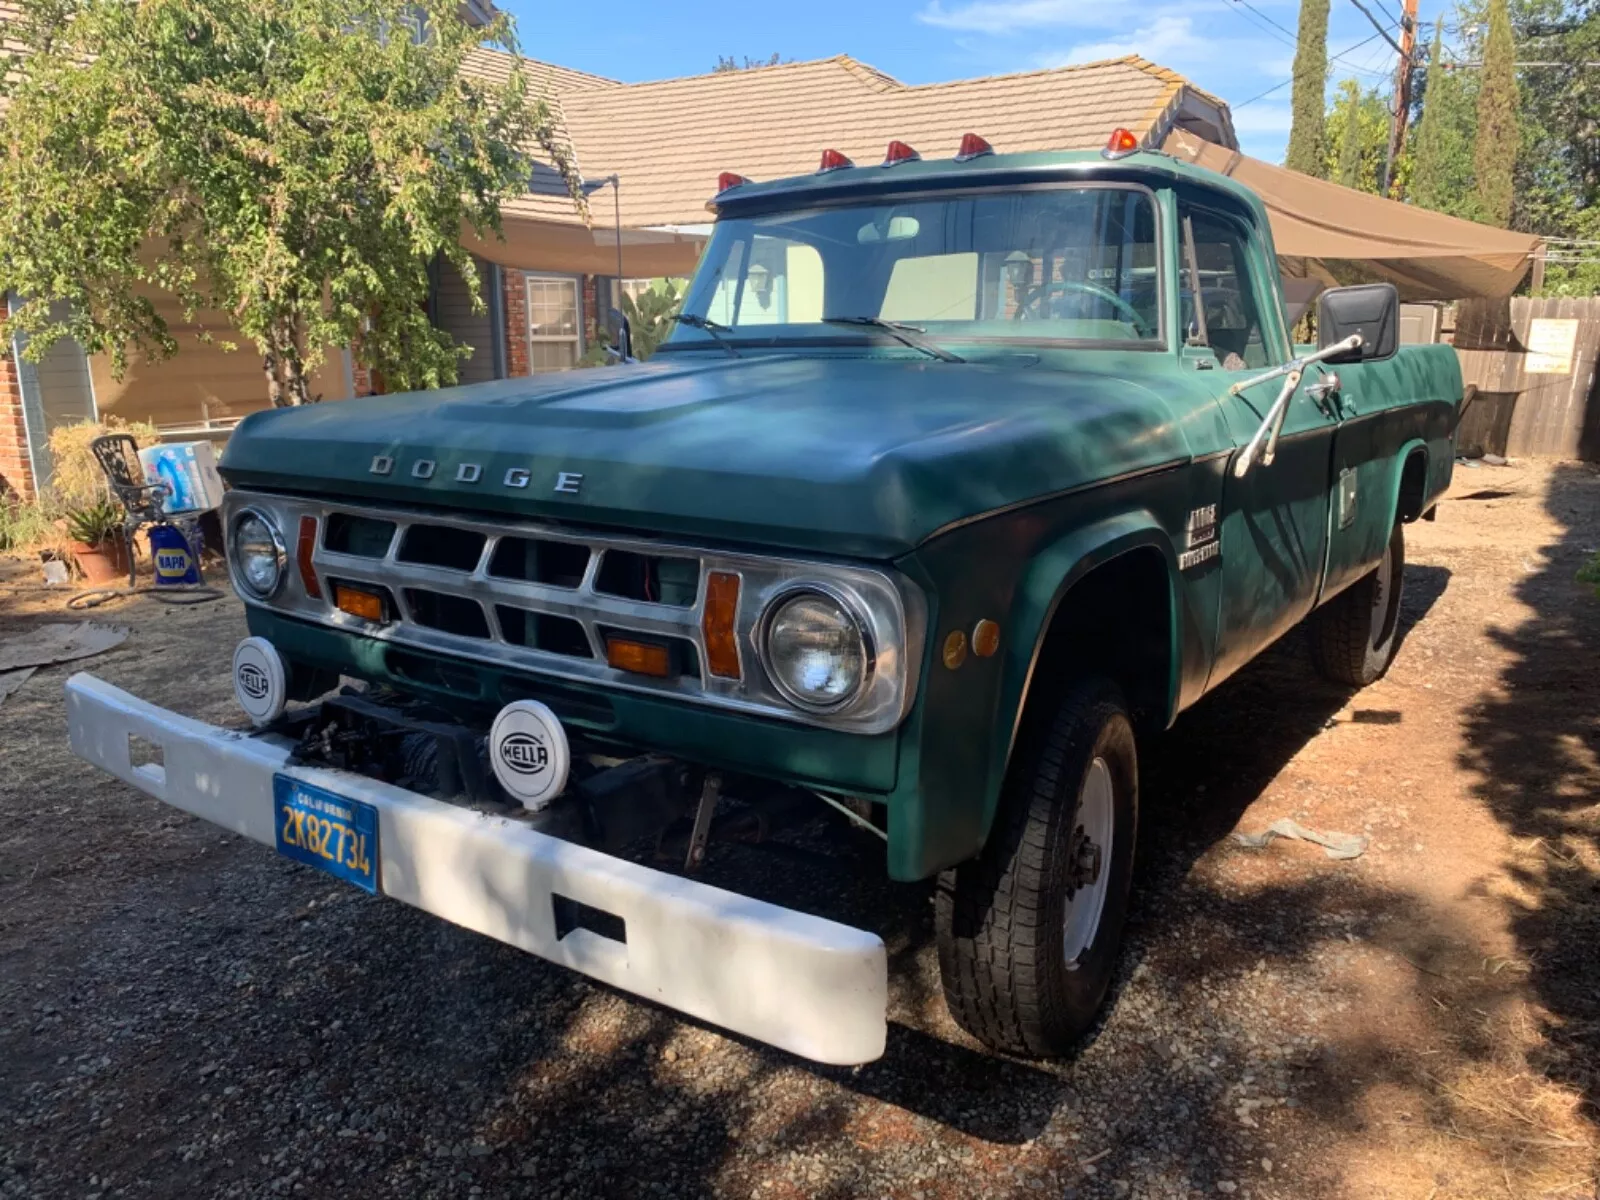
710 793
1265 442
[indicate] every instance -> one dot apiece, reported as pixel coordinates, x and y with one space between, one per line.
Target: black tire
1354 635
1002 918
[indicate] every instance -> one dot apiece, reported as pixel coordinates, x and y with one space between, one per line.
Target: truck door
1273 524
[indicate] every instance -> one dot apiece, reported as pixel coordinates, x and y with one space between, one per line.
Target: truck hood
865 457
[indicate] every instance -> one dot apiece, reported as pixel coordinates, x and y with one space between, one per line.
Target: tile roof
495 65
667 140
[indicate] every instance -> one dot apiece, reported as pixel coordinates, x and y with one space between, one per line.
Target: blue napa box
189 470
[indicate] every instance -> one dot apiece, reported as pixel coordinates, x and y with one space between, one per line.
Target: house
650 154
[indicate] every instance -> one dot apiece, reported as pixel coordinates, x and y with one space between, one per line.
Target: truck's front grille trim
535 601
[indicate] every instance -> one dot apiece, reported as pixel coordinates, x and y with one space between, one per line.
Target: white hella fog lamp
816 651
257 551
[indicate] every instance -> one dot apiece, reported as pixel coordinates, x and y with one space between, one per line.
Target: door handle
1325 393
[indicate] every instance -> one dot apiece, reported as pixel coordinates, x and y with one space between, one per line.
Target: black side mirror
621 348
1370 309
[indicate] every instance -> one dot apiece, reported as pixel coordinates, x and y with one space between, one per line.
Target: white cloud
1005 16
1165 40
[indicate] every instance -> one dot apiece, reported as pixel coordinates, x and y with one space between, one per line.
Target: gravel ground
182 1013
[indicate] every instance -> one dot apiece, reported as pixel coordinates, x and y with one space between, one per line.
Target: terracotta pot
105 563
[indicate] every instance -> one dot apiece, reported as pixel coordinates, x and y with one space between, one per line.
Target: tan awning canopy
569 247
1333 233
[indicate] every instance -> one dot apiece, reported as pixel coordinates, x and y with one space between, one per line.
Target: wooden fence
1533 363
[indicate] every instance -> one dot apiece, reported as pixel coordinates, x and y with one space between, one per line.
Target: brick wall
593 326
16 475
516 310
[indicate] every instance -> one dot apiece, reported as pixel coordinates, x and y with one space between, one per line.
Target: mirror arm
1272 423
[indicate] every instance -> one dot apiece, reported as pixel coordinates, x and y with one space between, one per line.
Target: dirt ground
185 1014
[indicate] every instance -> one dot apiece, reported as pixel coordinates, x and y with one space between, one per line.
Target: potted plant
97 543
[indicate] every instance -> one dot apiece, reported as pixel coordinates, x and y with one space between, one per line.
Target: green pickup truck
956 484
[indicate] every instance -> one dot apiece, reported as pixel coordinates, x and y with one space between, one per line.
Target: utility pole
1402 92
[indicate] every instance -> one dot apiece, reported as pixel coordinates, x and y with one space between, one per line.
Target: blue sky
1222 45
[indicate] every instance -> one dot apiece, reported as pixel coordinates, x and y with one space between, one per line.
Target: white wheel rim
1380 599
1091 839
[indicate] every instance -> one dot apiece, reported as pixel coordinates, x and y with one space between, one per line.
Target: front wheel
1030 929
1354 635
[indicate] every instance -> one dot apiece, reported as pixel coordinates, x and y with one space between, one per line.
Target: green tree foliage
1441 172
1357 127
726 63
1498 136
1307 139
1558 171
294 165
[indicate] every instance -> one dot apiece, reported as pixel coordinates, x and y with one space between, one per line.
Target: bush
27 525
78 481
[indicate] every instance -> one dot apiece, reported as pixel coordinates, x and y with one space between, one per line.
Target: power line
1280 86
1367 13
1294 38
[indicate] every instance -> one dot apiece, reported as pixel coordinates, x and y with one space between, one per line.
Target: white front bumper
808 985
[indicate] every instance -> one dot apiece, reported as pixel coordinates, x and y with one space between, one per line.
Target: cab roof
1149 167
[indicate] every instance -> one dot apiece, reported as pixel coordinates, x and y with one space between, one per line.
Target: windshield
1075 264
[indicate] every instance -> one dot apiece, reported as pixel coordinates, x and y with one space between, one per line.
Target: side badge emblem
568 483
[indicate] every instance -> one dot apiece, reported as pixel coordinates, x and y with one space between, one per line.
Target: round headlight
258 554
816 651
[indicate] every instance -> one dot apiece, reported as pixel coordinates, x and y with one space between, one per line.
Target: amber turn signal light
719 624
304 548
642 658
366 605
1121 143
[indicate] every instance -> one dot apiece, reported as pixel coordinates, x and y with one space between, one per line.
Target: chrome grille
543 598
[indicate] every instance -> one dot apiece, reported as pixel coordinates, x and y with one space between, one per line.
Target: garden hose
167 593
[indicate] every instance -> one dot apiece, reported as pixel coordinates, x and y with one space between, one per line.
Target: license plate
321 829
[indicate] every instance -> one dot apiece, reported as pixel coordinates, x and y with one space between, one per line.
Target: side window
934 287
783 285
1220 280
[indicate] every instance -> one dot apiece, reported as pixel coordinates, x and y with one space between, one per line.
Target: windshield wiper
906 334
715 328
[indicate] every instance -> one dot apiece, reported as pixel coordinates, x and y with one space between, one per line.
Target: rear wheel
1030 929
1354 635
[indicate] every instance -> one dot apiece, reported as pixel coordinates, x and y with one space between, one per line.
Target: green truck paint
1043 483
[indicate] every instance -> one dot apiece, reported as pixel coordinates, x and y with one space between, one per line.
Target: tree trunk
269 365
294 376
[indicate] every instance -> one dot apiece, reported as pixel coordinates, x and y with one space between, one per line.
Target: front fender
1048 579
1013 569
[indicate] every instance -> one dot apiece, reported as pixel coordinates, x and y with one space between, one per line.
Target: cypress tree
1497 136
1345 133
1307 140
1441 178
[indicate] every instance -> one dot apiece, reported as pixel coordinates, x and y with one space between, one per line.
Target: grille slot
441 546
539 560
361 537
543 631
447 613
653 578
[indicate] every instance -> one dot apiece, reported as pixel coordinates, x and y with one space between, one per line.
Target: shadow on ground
1534 745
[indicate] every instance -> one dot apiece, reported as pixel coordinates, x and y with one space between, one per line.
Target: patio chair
118 456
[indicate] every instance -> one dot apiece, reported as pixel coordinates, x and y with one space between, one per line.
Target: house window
555 340
415 23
